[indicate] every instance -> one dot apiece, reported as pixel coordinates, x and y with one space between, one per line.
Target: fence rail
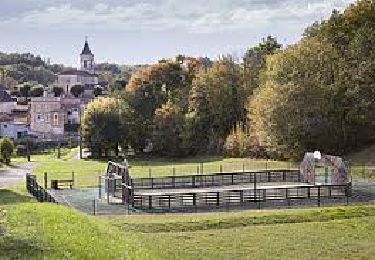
201 200
215 179
36 190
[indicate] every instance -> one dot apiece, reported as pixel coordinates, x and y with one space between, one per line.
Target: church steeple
87 58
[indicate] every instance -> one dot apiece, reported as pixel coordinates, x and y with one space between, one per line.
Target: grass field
49 231
87 171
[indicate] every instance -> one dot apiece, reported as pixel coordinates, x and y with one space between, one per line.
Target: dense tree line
317 94
27 67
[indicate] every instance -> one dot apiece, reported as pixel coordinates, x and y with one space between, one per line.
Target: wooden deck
244 187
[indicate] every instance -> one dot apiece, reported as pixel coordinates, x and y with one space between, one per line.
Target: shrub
6 149
76 90
57 91
36 91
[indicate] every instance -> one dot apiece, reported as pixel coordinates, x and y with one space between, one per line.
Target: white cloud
198 16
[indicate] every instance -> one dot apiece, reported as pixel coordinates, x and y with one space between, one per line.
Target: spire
86 48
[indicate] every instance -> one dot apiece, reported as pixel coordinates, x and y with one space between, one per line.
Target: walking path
14 175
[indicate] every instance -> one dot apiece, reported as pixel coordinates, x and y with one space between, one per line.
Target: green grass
87 171
364 171
337 239
49 231
195 222
65 154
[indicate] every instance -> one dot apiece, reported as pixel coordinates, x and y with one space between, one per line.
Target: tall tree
254 62
101 126
216 102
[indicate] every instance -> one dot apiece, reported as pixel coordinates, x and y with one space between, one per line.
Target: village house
13 129
7 103
53 117
14 118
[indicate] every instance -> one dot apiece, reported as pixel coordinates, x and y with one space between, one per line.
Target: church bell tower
87 58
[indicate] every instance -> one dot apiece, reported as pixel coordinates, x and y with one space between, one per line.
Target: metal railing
215 179
247 197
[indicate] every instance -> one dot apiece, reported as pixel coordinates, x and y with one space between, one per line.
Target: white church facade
85 76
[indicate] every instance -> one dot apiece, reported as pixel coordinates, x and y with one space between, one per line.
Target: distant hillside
26 67
18 68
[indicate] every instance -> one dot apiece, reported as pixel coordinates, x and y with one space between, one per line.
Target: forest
276 102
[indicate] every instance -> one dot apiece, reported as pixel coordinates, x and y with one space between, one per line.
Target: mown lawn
48 231
87 171
337 239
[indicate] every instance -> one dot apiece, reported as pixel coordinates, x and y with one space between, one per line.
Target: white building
85 77
14 130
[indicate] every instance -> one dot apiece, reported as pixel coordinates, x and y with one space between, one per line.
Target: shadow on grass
11 197
12 248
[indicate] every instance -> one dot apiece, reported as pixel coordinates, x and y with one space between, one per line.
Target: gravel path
15 175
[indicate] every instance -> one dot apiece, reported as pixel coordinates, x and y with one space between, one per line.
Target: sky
140 32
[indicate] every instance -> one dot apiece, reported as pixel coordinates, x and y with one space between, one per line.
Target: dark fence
215 179
241 198
36 190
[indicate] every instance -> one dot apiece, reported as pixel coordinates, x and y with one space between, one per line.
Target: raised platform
243 187
244 195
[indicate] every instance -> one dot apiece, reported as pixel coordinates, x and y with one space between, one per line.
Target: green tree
6 149
101 126
168 131
318 94
76 90
24 90
98 91
57 91
254 62
148 90
36 91
216 103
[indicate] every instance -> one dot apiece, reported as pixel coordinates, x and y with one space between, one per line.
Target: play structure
320 177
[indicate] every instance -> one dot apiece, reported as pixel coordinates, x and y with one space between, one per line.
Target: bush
57 91
6 149
98 91
76 90
36 92
239 143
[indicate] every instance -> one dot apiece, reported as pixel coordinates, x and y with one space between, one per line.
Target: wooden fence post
45 180
94 206
73 183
